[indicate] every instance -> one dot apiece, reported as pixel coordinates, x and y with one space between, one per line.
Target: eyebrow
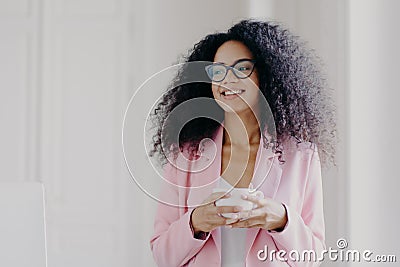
235 61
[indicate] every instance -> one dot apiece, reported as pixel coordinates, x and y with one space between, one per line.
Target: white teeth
233 92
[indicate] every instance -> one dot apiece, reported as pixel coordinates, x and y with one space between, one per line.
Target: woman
253 60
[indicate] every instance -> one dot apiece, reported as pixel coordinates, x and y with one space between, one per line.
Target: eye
243 68
217 70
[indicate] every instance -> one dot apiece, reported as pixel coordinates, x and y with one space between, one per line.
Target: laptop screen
22 225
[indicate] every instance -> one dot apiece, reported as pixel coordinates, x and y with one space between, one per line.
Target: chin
236 105
236 108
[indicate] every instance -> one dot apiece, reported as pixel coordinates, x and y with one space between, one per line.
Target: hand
206 217
269 214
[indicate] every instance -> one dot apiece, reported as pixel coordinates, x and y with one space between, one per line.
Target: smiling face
238 94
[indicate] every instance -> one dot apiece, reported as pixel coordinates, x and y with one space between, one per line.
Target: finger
230 221
252 213
249 223
257 200
222 221
257 226
222 210
228 209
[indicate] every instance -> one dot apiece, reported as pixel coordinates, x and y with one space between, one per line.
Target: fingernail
228 226
244 196
238 208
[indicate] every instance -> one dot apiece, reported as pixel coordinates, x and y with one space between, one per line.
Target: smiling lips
232 92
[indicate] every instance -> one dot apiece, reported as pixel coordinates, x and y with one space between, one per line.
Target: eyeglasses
242 69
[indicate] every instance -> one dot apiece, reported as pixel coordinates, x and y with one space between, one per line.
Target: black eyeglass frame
227 68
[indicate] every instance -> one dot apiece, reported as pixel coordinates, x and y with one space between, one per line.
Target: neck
241 128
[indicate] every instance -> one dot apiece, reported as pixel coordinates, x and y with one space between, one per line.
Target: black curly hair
290 79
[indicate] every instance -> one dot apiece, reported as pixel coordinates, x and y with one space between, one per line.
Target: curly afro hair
290 79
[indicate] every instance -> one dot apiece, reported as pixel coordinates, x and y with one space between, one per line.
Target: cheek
254 78
214 89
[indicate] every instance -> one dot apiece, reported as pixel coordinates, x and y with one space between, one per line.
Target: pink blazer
296 183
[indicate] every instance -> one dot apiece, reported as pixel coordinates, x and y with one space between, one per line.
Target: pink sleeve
305 231
173 243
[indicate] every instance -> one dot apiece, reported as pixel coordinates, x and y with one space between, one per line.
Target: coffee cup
236 199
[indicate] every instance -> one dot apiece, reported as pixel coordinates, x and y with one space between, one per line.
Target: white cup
236 199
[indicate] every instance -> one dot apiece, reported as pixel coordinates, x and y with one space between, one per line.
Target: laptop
22 225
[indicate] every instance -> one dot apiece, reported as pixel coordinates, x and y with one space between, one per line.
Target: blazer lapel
205 171
205 176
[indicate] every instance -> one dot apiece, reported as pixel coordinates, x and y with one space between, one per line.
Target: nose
230 76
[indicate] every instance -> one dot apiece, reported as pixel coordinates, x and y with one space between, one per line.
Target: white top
233 241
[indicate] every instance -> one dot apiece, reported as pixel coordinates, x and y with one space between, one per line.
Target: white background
69 67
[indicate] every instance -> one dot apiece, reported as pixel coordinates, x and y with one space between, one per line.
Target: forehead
230 51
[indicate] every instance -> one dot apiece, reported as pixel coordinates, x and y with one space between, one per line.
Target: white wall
19 85
373 125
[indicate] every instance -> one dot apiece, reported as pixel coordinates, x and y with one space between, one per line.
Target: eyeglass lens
242 69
